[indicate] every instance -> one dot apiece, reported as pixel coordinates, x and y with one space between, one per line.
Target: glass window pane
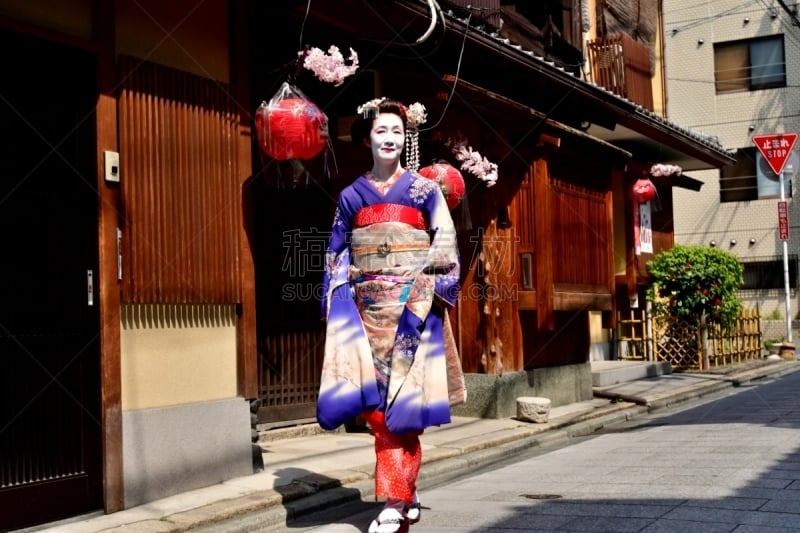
768 64
769 182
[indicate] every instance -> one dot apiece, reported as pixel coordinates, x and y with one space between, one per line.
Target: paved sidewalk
307 469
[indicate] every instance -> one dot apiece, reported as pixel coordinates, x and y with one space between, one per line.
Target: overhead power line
710 18
791 13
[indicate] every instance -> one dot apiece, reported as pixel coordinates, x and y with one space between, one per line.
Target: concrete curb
769 372
675 396
715 383
439 465
466 457
270 510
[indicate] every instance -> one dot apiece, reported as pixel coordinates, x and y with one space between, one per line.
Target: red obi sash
389 213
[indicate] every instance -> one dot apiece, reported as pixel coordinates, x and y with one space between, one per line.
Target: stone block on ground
533 409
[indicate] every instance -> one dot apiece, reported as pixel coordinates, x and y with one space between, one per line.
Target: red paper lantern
643 190
292 128
450 180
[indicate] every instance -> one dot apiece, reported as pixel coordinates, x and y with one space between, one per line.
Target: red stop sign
775 148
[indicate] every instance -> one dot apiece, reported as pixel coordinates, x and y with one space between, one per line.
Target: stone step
605 373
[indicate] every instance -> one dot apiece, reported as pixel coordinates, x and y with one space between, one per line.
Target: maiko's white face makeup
387 137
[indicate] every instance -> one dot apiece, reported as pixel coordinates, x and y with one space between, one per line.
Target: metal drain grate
542 496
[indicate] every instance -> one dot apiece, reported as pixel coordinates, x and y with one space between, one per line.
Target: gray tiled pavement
308 470
731 464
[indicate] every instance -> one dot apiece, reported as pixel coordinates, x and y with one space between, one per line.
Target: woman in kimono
392 271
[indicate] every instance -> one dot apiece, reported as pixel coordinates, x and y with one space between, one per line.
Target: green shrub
688 280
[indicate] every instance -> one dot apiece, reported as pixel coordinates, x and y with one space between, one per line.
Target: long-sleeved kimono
392 268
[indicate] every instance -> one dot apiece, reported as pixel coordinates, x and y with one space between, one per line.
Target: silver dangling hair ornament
416 116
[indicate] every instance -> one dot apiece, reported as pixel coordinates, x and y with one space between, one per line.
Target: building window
751 178
768 274
749 65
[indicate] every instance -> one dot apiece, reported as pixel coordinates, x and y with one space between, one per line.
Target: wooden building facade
164 272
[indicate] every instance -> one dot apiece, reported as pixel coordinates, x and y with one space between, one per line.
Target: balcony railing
622 66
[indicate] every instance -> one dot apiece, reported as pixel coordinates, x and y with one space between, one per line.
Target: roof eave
647 135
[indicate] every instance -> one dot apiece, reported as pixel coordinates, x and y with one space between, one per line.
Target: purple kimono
392 267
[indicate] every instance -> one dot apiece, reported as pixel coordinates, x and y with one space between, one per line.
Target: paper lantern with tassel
290 126
450 180
643 190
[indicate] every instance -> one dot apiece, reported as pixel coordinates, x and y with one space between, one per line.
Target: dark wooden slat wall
638 72
543 240
181 192
580 235
525 210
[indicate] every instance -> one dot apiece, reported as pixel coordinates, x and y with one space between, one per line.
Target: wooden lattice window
181 192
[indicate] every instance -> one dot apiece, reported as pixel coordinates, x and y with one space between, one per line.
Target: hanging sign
775 148
783 221
645 229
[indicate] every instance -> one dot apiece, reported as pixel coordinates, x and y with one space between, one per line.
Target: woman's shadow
325 502
322 501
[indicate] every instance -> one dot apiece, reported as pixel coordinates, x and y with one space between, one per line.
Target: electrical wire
303 25
435 46
789 36
455 81
433 6
787 27
710 18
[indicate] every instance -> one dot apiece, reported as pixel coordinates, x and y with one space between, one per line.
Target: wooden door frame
104 37
102 45
247 342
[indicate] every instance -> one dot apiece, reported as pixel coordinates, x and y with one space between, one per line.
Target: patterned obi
393 249
389 213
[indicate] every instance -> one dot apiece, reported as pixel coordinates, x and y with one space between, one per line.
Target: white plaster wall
173 355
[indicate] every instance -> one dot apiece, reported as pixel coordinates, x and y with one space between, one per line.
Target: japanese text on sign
775 148
783 221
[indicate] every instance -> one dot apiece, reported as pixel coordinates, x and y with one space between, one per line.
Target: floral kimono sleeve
444 261
348 385
337 260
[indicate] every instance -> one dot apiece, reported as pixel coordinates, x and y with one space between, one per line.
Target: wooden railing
686 345
622 66
632 335
738 343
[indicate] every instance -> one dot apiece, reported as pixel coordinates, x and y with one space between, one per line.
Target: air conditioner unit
768 182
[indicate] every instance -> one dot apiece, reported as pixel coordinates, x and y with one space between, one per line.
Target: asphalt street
727 462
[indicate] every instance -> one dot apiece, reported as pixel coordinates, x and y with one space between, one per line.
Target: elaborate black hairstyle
359 131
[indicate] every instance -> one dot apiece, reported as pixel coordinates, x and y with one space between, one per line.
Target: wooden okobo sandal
388 521
413 513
